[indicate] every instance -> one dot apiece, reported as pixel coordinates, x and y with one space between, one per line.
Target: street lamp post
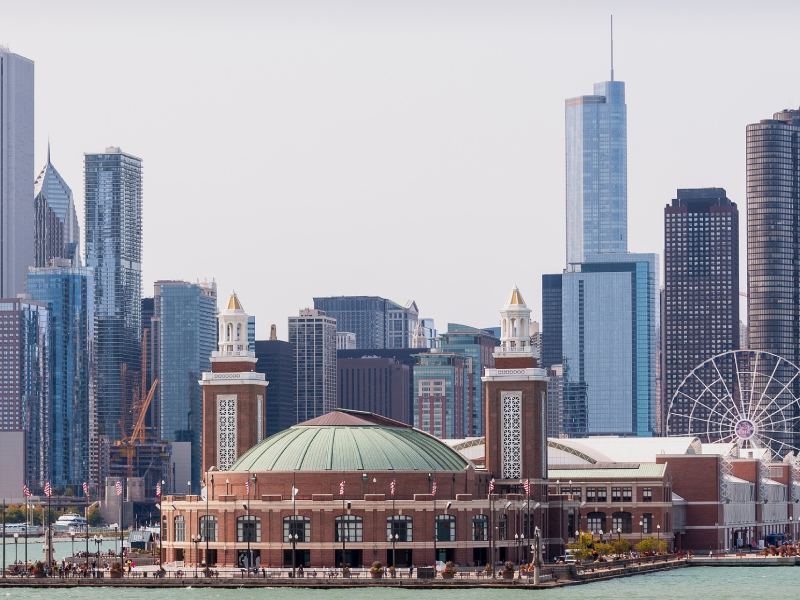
161 528
600 533
98 539
619 534
115 542
72 535
293 538
196 542
536 554
16 539
658 529
204 532
641 530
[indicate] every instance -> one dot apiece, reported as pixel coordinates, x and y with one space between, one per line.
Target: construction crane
139 430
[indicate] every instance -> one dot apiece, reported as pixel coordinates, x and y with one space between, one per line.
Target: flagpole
394 545
342 531
435 532
4 538
87 526
528 507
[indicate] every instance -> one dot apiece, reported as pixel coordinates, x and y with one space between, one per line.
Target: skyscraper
25 380
442 392
113 199
187 334
276 362
597 172
478 346
377 322
57 233
773 234
610 327
68 293
16 169
701 286
313 335
552 349
376 385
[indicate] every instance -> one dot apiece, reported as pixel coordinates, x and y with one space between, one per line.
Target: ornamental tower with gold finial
516 405
233 393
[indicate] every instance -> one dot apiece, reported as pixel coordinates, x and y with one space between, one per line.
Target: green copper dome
346 440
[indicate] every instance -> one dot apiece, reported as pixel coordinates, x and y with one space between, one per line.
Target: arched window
647 523
480 528
399 526
503 527
296 525
445 528
248 529
229 332
623 521
180 529
239 332
208 529
596 522
352 527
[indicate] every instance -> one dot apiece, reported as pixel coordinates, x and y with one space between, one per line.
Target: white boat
71 522
23 529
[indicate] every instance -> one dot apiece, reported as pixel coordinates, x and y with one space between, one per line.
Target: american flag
48 491
394 483
527 486
158 490
341 488
85 489
119 487
26 491
433 489
491 485
247 486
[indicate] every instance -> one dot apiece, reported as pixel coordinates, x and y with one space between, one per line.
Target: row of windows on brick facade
298 528
621 522
618 494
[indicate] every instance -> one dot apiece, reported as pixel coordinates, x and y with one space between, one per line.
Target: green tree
582 546
621 546
15 514
94 516
603 549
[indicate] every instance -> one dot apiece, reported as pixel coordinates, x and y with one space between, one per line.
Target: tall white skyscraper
313 335
16 172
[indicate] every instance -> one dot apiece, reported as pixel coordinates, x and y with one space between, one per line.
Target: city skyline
501 76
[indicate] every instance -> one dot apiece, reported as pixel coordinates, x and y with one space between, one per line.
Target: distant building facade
377 322
313 335
442 392
16 170
275 359
113 203
187 335
68 294
701 290
56 230
376 385
345 340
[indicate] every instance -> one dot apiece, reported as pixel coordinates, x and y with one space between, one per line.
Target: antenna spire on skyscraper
612 47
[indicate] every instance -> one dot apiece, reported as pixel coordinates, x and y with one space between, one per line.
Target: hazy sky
406 149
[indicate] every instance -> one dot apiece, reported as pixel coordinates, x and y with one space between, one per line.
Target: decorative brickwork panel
226 430
512 435
260 411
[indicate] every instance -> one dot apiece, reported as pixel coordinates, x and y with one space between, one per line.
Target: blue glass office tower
610 333
68 293
597 172
113 203
187 314
56 229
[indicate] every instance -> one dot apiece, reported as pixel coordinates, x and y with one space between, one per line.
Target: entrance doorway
404 558
353 558
301 557
248 561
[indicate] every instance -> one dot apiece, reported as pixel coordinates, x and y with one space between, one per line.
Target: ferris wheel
744 397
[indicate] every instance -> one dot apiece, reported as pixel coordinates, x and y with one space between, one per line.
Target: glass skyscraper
56 228
610 329
477 346
187 317
442 390
68 293
377 322
597 172
113 203
16 170
313 335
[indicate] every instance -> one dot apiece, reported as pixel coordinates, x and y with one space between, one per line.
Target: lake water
694 583
61 548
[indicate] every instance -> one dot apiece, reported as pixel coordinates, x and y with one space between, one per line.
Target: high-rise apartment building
313 335
68 294
773 234
773 242
701 288
276 362
552 349
442 391
376 322
56 230
478 347
376 385
16 170
25 380
597 172
113 203
187 334
610 329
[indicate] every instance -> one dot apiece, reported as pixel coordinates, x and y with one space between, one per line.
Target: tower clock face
745 429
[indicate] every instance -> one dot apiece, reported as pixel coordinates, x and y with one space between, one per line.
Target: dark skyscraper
552 345
701 288
377 385
113 199
773 234
276 362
